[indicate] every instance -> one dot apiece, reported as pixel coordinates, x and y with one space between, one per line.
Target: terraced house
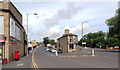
12 34
68 42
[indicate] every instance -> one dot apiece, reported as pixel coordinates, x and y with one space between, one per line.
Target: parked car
50 50
47 49
59 51
53 50
116 47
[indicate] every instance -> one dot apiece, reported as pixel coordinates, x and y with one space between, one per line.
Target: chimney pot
66 31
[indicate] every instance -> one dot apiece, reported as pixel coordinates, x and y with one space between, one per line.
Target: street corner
87 56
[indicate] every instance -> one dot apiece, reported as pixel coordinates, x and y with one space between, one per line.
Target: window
12 28
15 30
17 33
71 39
71 46
1 25
76 39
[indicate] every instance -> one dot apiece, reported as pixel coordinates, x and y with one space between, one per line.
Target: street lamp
109 27
82 29
27 29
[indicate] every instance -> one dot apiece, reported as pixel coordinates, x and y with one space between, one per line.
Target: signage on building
13 41
83 42
71 42
12 28
2 38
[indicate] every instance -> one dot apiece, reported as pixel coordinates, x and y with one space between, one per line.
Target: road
83 59
41 58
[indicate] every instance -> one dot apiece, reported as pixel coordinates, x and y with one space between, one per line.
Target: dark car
59 51
50 50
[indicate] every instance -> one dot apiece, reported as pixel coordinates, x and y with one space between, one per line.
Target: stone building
34 43
12 34
68 42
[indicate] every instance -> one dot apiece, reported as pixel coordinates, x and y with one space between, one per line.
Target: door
1 52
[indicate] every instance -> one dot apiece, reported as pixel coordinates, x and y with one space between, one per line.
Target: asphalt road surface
83 59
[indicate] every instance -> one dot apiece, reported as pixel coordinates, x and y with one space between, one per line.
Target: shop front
2 42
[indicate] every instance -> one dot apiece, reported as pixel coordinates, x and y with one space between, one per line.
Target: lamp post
82 29
110 27
28 31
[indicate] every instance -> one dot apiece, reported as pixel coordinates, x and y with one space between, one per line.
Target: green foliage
112 42
99 44
98 39
46 41
112 38
114 25
93 38
52 42
115 30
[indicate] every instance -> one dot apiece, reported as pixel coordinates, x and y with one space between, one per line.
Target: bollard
31 49
93 52
56 53
85 47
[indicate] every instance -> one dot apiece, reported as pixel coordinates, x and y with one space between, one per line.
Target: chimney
66 31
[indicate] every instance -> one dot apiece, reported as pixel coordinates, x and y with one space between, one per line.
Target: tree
52 42
94 39
46 40
114 24
112 42
99 44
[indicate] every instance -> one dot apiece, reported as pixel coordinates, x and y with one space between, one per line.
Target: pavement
24 62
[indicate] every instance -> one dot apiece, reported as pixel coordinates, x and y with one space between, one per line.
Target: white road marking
20 64
84 55
18 61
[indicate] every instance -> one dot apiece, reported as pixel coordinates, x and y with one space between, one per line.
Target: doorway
2 52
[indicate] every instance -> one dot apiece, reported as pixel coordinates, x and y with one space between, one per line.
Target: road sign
83 42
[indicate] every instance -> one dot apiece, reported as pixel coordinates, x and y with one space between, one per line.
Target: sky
54 17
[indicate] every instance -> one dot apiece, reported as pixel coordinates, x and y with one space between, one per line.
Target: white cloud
62 14
78 29
65 0
54 32
54 18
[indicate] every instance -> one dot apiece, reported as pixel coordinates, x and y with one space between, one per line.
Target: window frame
2 24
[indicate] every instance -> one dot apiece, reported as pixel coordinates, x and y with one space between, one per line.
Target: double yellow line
34 63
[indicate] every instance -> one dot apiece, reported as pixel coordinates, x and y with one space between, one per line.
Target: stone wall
63 44
16 16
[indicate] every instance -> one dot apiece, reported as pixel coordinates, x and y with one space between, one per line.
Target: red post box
16 55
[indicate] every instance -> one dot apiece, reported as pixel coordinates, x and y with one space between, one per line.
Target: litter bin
16 55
